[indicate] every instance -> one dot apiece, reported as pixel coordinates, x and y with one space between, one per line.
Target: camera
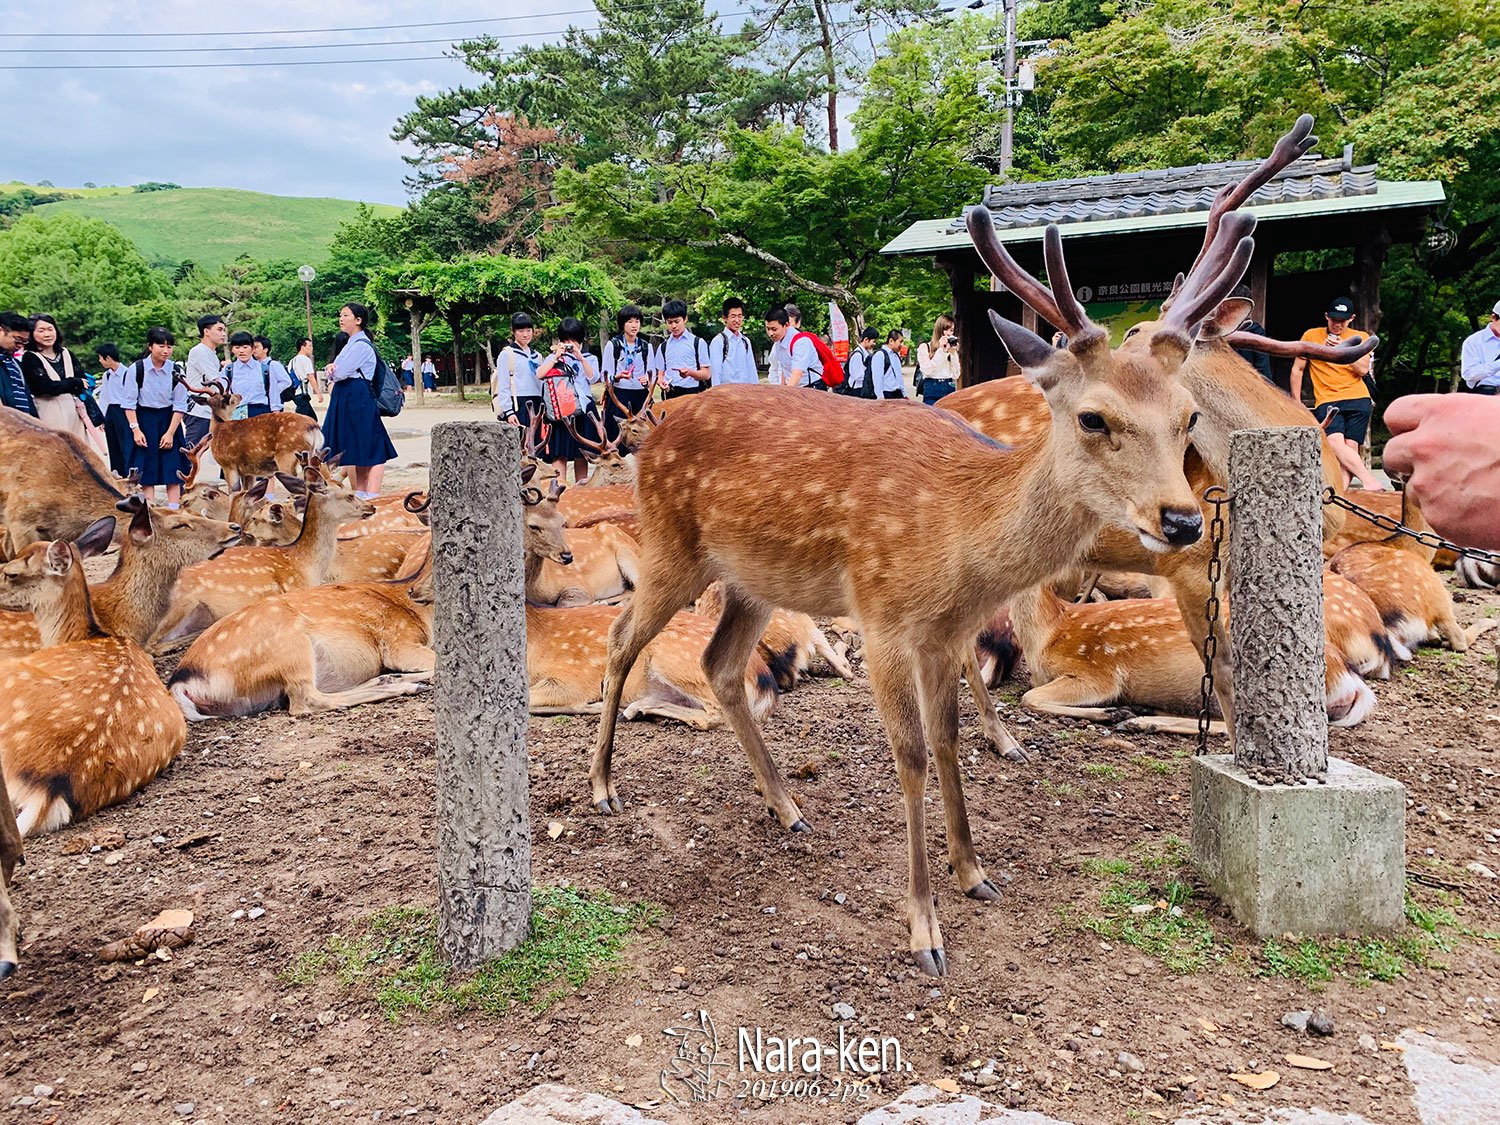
953 341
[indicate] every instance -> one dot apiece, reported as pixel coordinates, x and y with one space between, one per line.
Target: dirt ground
308 826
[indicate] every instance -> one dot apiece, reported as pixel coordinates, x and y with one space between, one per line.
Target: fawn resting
314 650
82 721
788 645
1413 602
131 602
52 486
923 575
242 575
605 565
565 648
257 447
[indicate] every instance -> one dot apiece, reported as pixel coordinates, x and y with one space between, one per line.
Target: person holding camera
937 362
1343 390
569 358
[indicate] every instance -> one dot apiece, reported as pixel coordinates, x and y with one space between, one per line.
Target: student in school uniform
516 395
683 356
274 374
568 355
892 382
353 426
731 359
857 370
155 398
429 374
111 394
627 369
800 365
203 368
408 372
258 380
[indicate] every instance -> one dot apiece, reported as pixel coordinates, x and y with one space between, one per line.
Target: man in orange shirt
1340 389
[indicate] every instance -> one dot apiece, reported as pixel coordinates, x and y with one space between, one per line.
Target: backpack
867 388
559 398
387 388
140 374
643 374
833 371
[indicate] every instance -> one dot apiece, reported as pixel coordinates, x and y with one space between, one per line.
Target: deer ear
96 538
1231 313
140 526
1170 349
527 472
132 503
257 491
275 513
59 558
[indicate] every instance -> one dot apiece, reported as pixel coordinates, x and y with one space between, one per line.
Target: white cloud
297 130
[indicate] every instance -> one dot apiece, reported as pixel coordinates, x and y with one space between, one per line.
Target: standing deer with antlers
922 577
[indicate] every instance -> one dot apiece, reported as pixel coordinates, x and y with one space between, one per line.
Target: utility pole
1007 134
307 273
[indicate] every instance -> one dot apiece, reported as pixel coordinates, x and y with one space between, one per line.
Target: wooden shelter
1128 235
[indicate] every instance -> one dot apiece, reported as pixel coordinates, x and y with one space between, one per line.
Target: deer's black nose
567 557
1181 528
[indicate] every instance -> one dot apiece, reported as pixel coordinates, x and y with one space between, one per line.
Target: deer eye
1193 421
1093 423
1131 331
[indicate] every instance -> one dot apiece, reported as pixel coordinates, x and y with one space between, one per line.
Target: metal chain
1218 498
1426 538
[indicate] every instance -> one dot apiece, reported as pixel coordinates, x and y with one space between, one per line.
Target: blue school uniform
628 368
259 383
678 352
156 394
116 425
353 426
560 445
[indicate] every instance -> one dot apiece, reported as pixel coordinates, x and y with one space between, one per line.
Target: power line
222 65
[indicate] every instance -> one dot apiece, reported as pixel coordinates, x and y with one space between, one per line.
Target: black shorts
1352 420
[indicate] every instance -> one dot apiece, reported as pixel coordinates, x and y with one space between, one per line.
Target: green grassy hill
212 226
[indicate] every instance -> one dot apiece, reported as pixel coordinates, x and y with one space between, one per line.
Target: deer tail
760 687
43 804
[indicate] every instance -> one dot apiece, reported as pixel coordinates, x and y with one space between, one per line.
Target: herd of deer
667 585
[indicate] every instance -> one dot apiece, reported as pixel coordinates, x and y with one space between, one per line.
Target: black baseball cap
1340 308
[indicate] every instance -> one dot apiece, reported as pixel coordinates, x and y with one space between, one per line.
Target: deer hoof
985 890
1119 715
932 962
610 806
801 826
7 968
1016 754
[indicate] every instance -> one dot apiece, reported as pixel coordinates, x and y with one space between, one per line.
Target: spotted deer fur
1414 604
84 721
242 575
246 448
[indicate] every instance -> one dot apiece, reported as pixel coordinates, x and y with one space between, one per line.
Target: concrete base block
1302 859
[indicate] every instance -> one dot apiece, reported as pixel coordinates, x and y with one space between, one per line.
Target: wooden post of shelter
483 821
1291 839
419 321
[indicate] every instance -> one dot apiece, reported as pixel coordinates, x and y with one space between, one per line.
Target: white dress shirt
802 357
678 352
1479 361
157 388
731 359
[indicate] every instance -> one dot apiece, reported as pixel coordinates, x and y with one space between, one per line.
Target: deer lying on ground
374 558
312 650
625 519
788 645
635 425
84 722
1414 604
605 566
565 648
242 575
581 504
390 515
131 602
1089 660
1477 574
247 448
52 486
1393 505
922 571
1352 624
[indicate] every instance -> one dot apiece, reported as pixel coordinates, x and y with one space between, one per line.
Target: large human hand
1448 448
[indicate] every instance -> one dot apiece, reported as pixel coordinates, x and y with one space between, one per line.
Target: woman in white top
353 426
55 380
937 362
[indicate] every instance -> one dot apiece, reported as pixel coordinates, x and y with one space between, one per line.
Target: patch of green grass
1153 765
397 956
1366 959
836 682
561 720
1102 771
1138 906
1054 789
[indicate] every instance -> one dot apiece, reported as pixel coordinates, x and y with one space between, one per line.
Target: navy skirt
353 425
117 437
256 409
560 445
157 465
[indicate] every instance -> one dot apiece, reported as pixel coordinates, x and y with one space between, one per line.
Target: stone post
1292 840
483 823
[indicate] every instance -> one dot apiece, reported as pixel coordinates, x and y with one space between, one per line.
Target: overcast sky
291 130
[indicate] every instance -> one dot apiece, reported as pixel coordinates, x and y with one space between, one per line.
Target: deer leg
896 696
565 709
1474 632
1168 724
10 855
738 632
994 729
408 657
1191 588
1074 698
841 667
184 620
940 720
305 698
640 621
657 707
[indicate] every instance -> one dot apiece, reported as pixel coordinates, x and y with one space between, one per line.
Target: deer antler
609 389
1214 275
1067 314
1296 141
579 438
1302 349
417 502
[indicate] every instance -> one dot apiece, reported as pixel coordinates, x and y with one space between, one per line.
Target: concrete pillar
483 823
1292 840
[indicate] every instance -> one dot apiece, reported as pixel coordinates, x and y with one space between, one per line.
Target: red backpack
833 370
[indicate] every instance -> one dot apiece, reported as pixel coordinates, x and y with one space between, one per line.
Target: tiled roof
1167 191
